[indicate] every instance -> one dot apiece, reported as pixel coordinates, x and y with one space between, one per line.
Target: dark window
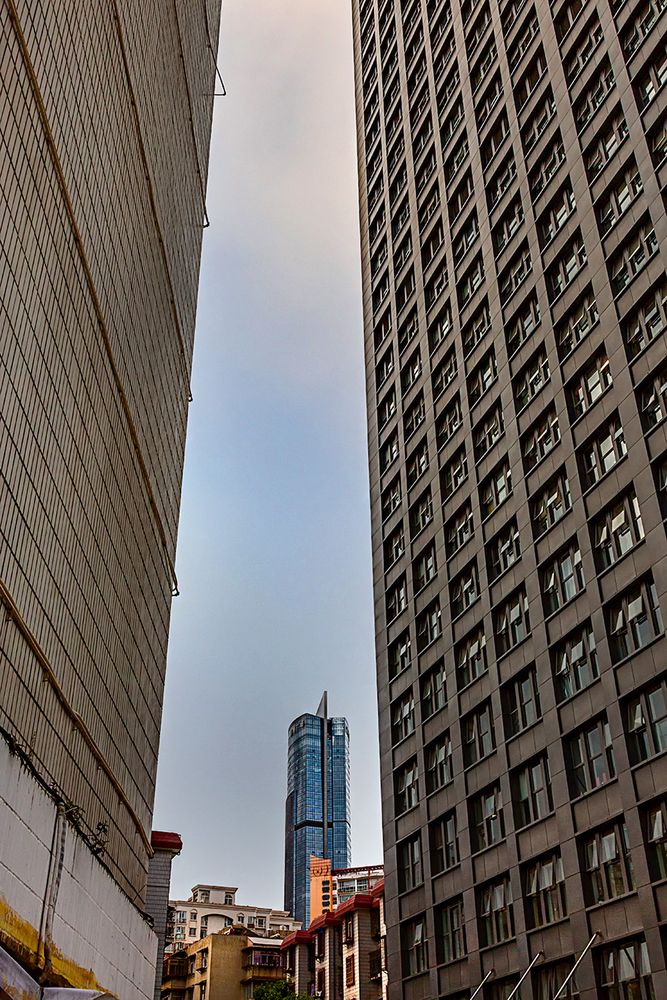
454 474
549 980
602 452
624 972
521 703
464 590
470 658
655 832
394 547
424 568
458 530
515 274
595 95
433 690
406 786
566 267
551 503
590 757
522 324
496 488
652 399
578 322
646 322
478 735
531 379
448 423
443 842
612 134
503 550
646 722
589 385
450 932
607 864
633 619
399 655
402 717
574 662
444 374
477 328
531 792
414 946
496 912
438 763
544 888
396 599
421 513
429 626
511 622
562 578
540 440
487 824
633 256
616 530
409 854
489 430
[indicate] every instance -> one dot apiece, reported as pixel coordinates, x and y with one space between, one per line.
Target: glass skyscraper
318 785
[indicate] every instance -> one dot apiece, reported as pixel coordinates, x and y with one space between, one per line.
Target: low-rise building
331 886
213 908
224 966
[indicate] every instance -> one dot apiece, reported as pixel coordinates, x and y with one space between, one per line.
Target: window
438 763
397 599
503 550
382 329
538 122
577 323
451 123
454 473
652 399
633 256
510 222
448 89
389 452
488 101
444 845
551 503
556 215
544 888
414 946
521 702
458 530
430 207
440 328
646 723
617 530
660 477
641 26
510 13
602 452
193 915
547 167
624 972
402 717
410 372
574 662
406 787
480 70
416 464
421 513
464 590
470 658
408 330
349 970
611 136
433 690
428 626
496 488
652 79
456 160
410 864
530 29
531 792
399 655
478 735
431 245
548 981
658 142
594 96
494 140
501 181
385 368
540 440
449 421
478 30
489 430
566 267
646 322
386 409
531 379
607 864
530 80
414 417
589 757
460 198
444 374
482 377
487 824
450 932
424 568
465 238
514 275
471 281
522 324
633 619
618 197
655 829
562 578
496 912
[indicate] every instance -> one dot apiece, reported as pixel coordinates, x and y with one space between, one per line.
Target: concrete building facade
213 908
106 117
224 966
512 170
329 887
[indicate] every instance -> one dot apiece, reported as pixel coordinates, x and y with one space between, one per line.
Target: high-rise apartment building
331 886
512 169
318 787
106 118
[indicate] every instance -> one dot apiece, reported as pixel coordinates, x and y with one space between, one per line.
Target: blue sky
274 547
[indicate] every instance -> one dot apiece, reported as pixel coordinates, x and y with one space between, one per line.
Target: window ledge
427 718
468 767
484 949
509 651
534 822
453 961
571 697
569 354
440 788
444 871
500 576
473 681
406 812
526 405
526 729
425 585
460 614
546 531
655 756
543 458
489 847
602 478
605 902
552 614
496 509
429 645
633 548
636 652
598 788
554 923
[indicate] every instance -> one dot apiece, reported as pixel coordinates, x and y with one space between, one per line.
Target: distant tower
318 785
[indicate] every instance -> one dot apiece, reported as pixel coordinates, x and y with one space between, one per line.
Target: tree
278 990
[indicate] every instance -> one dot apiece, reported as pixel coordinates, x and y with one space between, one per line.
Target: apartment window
406 787
617 530
464 590
652 399
399 655
522 324
416 464
482 377
458 530
633 619
501 181
562 578
494 140
438 764
577 323
421 513
550 979
551 503
426 170
540 440
397 599
487 432
478 30
488 101
641 26
477 328
424 568
451 123
556 215
430 207
433 690
382 329
509 224
408 330
470 658
652 79
465 238
414 946
478 735
448 423
496 488
444 374
402 717
530 29
471 281
646 322
618 197
414 417
411 371
503 550
530 80
521 702
655 826
602 452
389 452
657 140
440 328
624 972
544 887
594 96
450 930
566 17
460 198
646 723
448 88
410 873
539 122
443 842
399 219
454 473
660 477
574 662
432 244
633 256
531 792
514 275
386 409
547 167
458 157
429 626
496 912
349 970
607 864
589 758
531 379
566 267
611 136
582 52
487 825
480 70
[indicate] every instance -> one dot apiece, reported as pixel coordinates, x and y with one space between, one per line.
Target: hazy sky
274 543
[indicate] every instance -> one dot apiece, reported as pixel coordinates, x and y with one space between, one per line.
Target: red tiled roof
297 937
161 841
324 919
360 901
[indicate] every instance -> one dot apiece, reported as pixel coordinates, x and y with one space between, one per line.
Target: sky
274 561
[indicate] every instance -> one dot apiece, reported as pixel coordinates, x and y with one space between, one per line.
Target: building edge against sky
512 172
106 127
318 785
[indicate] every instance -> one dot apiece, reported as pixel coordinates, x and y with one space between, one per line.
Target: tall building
512 171
318 785
106 119
213 908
